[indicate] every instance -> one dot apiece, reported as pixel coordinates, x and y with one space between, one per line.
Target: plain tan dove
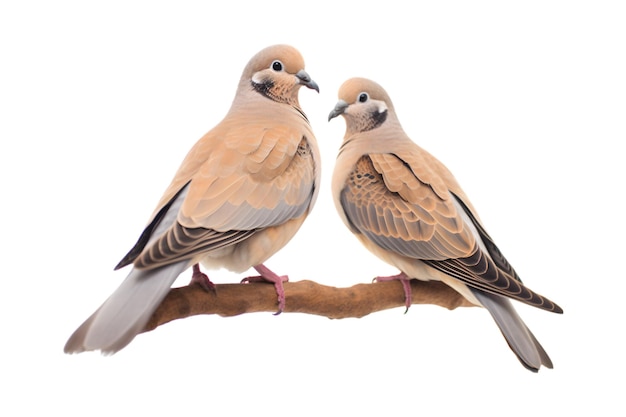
239 196
407 208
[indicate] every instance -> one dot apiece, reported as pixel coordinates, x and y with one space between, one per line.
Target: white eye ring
363 97
277 65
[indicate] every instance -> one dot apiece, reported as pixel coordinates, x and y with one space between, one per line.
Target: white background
524 102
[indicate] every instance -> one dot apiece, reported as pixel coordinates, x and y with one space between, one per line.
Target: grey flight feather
520 339
125 313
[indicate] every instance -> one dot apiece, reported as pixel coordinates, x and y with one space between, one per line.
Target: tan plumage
241 193
407 208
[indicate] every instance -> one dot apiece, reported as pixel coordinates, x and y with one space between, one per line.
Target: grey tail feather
125 313
520 339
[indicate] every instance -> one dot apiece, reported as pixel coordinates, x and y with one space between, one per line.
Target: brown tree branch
302 297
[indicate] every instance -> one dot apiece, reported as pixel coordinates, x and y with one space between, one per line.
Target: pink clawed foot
200 278
406 284
267 275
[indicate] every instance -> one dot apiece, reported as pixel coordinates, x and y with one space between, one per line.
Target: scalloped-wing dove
240 194
408 209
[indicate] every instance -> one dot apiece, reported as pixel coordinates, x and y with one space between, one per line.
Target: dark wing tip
556 308
127 260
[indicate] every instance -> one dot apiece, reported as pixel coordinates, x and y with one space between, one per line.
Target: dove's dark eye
277 66
363 97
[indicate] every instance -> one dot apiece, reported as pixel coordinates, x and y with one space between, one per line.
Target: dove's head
277 72
364 104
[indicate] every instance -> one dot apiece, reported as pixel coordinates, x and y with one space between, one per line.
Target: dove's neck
252 103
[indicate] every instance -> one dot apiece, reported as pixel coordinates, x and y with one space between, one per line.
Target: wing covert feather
415 222
229 206
412 220
273 183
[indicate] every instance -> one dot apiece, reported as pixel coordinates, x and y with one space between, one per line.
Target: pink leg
267 275
406 284
200 278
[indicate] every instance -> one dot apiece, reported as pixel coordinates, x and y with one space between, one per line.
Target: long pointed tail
125 313
520 339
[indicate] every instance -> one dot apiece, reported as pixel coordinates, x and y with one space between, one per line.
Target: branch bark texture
300 297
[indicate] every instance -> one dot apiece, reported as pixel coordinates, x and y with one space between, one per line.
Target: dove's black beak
305 79
340 107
